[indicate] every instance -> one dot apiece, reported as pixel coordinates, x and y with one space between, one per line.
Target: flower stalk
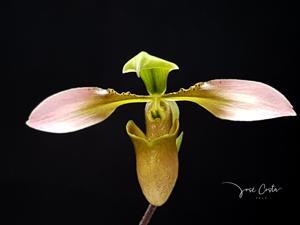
148 215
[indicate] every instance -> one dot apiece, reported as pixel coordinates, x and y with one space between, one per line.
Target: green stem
148 215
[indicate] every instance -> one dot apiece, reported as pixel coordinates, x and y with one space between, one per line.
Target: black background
88 177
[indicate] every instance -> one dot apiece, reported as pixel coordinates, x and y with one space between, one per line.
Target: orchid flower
157 148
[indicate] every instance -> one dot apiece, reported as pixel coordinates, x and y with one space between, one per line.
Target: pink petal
77 108
239 100
67 111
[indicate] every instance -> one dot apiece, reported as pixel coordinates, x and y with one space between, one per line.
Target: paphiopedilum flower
157 148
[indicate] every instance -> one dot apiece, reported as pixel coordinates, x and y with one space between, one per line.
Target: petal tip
292 113
38 126
28 123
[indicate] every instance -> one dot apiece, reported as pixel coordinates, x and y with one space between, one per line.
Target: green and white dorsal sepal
154 71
